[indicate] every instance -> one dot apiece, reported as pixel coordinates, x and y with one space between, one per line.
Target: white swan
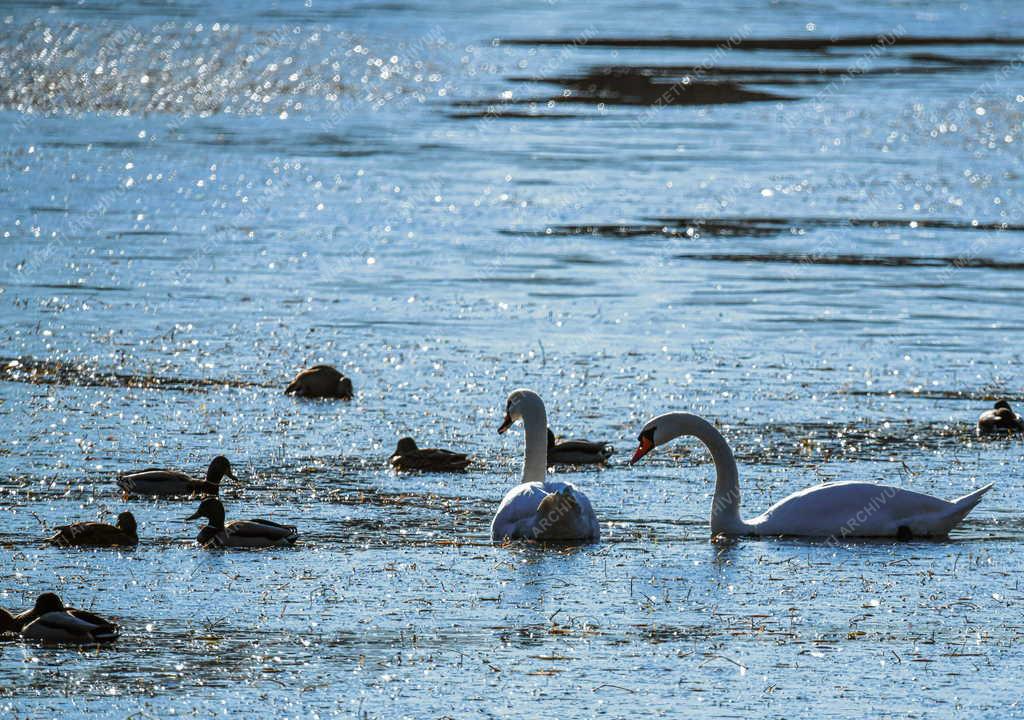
838 510
540 509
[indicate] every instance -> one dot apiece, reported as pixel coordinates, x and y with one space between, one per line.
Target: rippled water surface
801 220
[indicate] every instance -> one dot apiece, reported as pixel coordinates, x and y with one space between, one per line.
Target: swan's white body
520 515
839 510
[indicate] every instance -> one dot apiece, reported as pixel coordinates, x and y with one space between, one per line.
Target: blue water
822 252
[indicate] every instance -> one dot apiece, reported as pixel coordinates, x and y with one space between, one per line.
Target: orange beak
506 424
646 445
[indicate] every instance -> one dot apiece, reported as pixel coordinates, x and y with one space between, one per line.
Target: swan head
656 432
518 402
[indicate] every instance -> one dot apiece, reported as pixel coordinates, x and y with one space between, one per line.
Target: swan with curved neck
835 510
538 508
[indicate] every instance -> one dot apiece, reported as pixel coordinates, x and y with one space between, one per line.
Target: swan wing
517 514
859 509
520 503
591 528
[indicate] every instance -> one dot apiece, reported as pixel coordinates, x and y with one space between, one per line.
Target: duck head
1001 405
551 439
405 446
126 523
345 388
212 509
47 603
220 466
518 403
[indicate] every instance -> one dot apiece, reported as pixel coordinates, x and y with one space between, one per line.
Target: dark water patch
56 372
855 260
323 145
78 286
966 62
814 44
931 394
145 233
500 112
627 86
695 227
630 86
650 81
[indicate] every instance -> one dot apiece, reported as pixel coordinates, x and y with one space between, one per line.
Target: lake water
801 220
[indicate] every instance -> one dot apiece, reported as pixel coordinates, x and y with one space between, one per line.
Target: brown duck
408 456
320 381
577 452
239 533
50 621
95 534
159 481
999 419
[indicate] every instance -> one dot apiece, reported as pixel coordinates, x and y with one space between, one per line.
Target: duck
8 624
408 456
320 381
163 482
999 419
239 533
50 621
577 452
540 509
835 510
96 534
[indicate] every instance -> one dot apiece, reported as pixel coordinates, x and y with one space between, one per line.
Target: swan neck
725 508
535 427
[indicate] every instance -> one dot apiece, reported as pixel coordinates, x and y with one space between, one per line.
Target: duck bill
506 424
646 445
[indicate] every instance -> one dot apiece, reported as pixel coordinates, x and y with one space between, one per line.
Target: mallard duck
1000 419
49 620
97 534
239 533
320 381
577 452
158 481
408 456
